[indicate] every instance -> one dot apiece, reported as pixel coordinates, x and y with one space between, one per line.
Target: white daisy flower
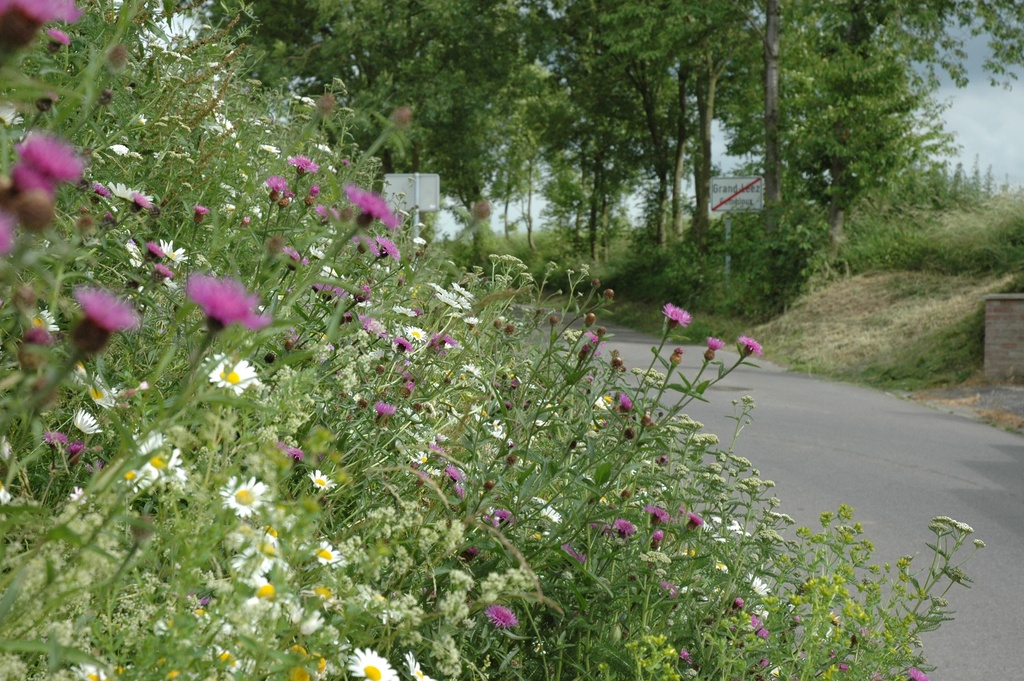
152 442
5 496
244 498
77 495
311 624
472 321
414 668
175 255
328 555
9 115
759 586
270 149
236 375
5 449
166 469
119 149
44 320
134 253
419 241
90 672
102 395
87 423
321 481
368 664
416 333
548 512
141 120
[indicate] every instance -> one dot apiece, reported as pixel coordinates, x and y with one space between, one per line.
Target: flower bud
590 319
553 320
609 294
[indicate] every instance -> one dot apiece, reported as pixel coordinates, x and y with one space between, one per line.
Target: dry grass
864 320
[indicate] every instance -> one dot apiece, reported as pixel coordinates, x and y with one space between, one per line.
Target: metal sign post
414 193
735 195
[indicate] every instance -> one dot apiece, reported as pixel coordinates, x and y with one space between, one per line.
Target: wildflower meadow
253 428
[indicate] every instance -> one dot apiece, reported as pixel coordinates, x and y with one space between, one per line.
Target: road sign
737 194
409 191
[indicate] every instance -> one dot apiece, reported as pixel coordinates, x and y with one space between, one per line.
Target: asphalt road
899 464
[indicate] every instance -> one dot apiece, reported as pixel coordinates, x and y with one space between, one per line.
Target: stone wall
1004 337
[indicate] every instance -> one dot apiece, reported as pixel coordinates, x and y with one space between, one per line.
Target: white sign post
414 193
735 195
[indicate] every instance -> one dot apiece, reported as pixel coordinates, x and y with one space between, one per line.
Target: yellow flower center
130 475
320 482
372 673
298 674
266 549
173 674
321 665
97 394
322 592
39 323
233 378
93 677
271 531
266 592
325 554
244 497
158 462
225 656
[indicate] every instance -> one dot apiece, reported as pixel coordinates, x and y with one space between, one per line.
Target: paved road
899 464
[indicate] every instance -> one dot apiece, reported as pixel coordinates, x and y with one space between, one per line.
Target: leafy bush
251 429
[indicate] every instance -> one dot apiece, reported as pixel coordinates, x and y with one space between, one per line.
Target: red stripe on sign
736 194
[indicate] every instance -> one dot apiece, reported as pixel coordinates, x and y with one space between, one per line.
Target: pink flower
107 310
715 343
372 205
58 36
387 248
917 675
658 515
20 19
199 212
677 316
624 528
141 201
225 301
693 521
625 404
574 553
277 184
155 251
101 190
44 162
749 346
384 409
501 617
163 271
303 165
105 314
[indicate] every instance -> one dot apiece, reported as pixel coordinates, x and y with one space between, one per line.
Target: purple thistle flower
684 655
277 184
917 675
503 516
76 448
141 201
402 345
58 36
384 409
303 165
101 190
672 589
372 326
454 473
388 248
501 617
293 452
198 213
624 528
658 515
372 206
677 316
314 191
155 251
656 538
225 301
55 438
44 162
163 270
37 335
439 343
460 491
715 343
574 553
749 346
693 521
625 404
105 314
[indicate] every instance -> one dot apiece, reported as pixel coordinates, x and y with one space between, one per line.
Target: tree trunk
836 217
505 217
529 210
772 155
679 171
706 83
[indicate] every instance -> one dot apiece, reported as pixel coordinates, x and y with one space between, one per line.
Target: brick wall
1004 337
